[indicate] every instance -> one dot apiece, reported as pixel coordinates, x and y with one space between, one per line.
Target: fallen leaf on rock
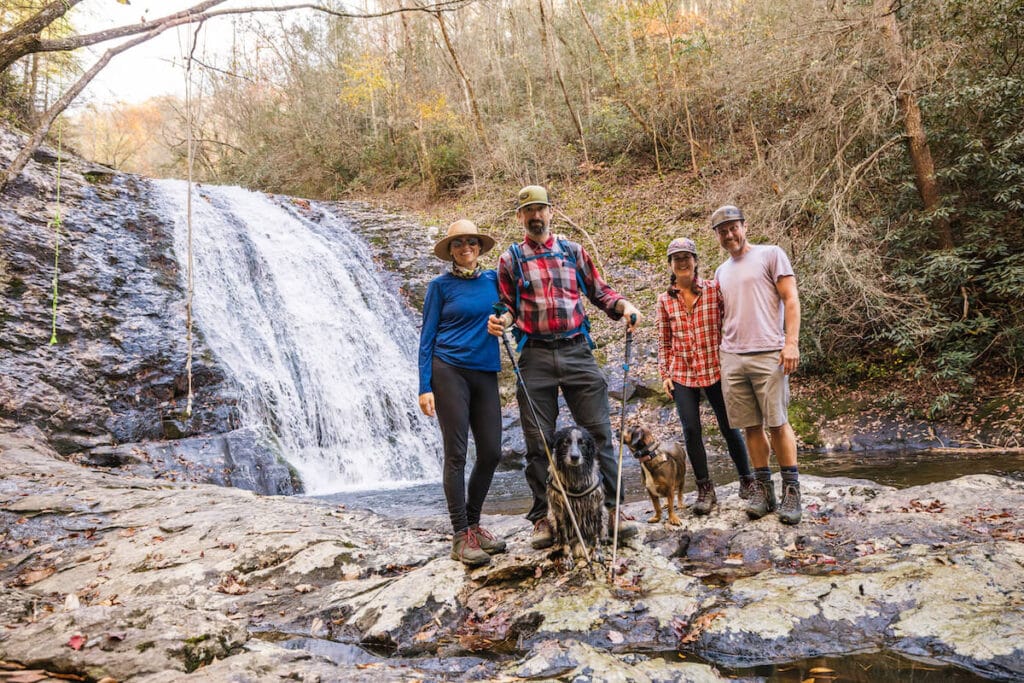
231 585
126 533
699 625
31 576
615 637
425 635
316 626
305 588
821 670
71 602
76 642
475 642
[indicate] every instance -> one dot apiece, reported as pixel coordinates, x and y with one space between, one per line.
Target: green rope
56 224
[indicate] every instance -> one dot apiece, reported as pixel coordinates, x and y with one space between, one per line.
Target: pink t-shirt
752 315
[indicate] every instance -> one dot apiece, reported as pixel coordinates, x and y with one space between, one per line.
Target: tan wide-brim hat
462 228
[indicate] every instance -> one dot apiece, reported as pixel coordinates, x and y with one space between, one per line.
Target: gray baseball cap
681 244
725 214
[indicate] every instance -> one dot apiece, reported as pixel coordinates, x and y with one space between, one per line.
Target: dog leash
622 430
499 310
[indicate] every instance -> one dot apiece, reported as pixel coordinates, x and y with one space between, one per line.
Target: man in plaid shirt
542 282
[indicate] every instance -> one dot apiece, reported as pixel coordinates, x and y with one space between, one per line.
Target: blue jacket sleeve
428 334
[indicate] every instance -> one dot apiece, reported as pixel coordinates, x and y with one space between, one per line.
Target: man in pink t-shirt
760 335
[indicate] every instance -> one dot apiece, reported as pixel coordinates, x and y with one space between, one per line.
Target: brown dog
664 468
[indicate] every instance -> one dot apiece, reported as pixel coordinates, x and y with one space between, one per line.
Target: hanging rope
56 224
190 155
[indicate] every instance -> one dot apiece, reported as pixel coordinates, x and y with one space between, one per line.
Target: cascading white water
294 310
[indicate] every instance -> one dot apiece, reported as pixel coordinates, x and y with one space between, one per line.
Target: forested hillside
881 142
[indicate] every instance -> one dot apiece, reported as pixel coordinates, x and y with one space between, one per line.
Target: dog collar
647 452
577 494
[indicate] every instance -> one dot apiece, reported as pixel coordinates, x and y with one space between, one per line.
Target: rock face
142 579
114 384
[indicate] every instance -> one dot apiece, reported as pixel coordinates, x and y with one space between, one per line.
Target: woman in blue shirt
459 363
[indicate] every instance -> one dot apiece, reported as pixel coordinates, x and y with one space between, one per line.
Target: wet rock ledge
144 580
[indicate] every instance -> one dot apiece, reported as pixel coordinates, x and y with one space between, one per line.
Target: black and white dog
575 456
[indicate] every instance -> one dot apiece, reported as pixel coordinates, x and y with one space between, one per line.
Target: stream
509 494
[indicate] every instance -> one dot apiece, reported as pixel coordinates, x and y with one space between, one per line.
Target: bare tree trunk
917 140
610 63
466 82
61 104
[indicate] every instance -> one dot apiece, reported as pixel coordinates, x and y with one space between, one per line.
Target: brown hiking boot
762 499
627 529
706 497
746 486
543 536
488 542
790 512
466 550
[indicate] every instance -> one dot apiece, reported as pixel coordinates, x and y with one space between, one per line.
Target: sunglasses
460 242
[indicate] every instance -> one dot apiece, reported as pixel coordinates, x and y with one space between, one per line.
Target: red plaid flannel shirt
688 341
551 305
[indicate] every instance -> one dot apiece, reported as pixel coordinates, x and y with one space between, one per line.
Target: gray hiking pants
566 364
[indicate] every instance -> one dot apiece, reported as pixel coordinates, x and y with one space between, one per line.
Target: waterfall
324 355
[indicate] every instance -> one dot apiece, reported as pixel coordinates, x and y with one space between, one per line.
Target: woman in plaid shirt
689 334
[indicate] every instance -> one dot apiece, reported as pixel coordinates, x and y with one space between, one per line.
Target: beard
536 226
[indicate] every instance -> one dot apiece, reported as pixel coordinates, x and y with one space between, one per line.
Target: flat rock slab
141 579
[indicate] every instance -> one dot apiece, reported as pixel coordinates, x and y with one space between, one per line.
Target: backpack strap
565 252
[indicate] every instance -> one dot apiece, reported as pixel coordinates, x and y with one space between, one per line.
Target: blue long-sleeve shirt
455 314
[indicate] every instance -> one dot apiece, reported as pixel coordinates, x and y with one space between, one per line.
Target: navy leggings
467 400
688 407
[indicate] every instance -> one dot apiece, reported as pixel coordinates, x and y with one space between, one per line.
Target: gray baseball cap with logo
725 214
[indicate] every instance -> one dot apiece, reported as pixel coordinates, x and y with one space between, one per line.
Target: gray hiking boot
746 486
543 536
706 497
466 550
790 512
488 542
762 499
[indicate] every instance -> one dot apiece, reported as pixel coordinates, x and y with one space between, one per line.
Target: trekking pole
499 310
622 430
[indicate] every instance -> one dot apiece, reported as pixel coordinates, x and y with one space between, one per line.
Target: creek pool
509 495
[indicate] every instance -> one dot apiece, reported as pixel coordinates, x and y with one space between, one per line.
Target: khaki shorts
756 389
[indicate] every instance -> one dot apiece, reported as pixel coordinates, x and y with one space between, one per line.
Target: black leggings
688 407
467 400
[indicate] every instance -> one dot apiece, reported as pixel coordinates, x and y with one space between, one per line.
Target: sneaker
488 542
627 529
790 512
746 486
706 497
762 499
466 550
543 536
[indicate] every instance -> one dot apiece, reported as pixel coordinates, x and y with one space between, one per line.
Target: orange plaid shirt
688 341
